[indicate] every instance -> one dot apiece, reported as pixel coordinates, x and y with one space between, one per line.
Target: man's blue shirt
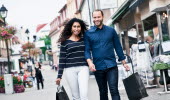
100 45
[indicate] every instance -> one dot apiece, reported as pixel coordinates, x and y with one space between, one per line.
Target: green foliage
17 80
150 33
47 41
2 82
165 38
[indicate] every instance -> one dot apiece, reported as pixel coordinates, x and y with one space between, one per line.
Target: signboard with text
166 46
40 44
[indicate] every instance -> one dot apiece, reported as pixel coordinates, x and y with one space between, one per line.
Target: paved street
48 93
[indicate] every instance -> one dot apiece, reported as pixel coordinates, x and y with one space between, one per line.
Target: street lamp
27 31
29 59
35 38
3 13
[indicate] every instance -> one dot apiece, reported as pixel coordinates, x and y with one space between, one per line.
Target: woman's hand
58 81
92 67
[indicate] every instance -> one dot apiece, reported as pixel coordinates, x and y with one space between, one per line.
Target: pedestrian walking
100 43
38 75
72 59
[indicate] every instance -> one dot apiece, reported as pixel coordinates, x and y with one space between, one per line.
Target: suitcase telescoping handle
130 60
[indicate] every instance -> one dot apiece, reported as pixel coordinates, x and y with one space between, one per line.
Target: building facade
69 10
142 16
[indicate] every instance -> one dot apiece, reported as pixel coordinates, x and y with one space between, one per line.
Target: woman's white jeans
77 78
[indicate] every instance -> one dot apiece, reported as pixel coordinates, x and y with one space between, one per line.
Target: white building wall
85 13
43 32
15 59
54 47
167 2
22 36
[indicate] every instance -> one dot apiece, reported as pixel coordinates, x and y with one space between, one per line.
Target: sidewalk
48 93
153 95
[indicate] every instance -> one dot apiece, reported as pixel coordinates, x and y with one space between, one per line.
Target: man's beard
100 23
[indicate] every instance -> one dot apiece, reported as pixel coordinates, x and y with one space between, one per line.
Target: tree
47 41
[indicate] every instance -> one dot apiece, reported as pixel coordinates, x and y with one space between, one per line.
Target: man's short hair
98 10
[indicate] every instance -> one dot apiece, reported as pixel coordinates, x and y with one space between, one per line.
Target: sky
30 13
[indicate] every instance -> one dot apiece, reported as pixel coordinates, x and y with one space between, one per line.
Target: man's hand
58 81
92 67
126 67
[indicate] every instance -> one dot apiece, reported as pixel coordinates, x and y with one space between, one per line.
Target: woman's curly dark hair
66 33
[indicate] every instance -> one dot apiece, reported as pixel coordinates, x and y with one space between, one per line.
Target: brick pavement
48 93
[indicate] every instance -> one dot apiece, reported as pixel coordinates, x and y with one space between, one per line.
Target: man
100 42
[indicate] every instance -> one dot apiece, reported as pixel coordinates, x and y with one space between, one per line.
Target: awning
135 4
160 9
121 11
119 15
124 8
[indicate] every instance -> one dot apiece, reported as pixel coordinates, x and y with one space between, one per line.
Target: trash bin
8 79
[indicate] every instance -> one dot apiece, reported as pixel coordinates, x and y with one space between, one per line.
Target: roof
40 26
62 8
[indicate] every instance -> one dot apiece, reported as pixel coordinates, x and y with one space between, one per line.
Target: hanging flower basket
35 52
28 46
7 32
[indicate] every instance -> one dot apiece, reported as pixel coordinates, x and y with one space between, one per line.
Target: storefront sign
39 44
105 4
166 46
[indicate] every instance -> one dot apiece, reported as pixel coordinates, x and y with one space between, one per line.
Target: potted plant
2 85
18 84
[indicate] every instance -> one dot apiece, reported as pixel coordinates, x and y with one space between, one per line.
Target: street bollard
8 79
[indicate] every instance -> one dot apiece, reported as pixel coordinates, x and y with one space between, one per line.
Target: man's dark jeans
109 76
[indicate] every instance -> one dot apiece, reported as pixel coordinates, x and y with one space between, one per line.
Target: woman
38 75
72 59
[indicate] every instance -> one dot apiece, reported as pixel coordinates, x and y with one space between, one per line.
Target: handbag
61 93
134 86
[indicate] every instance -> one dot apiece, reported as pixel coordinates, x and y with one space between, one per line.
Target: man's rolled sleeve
87 47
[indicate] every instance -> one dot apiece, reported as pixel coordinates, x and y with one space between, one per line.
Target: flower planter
2 90
19 88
